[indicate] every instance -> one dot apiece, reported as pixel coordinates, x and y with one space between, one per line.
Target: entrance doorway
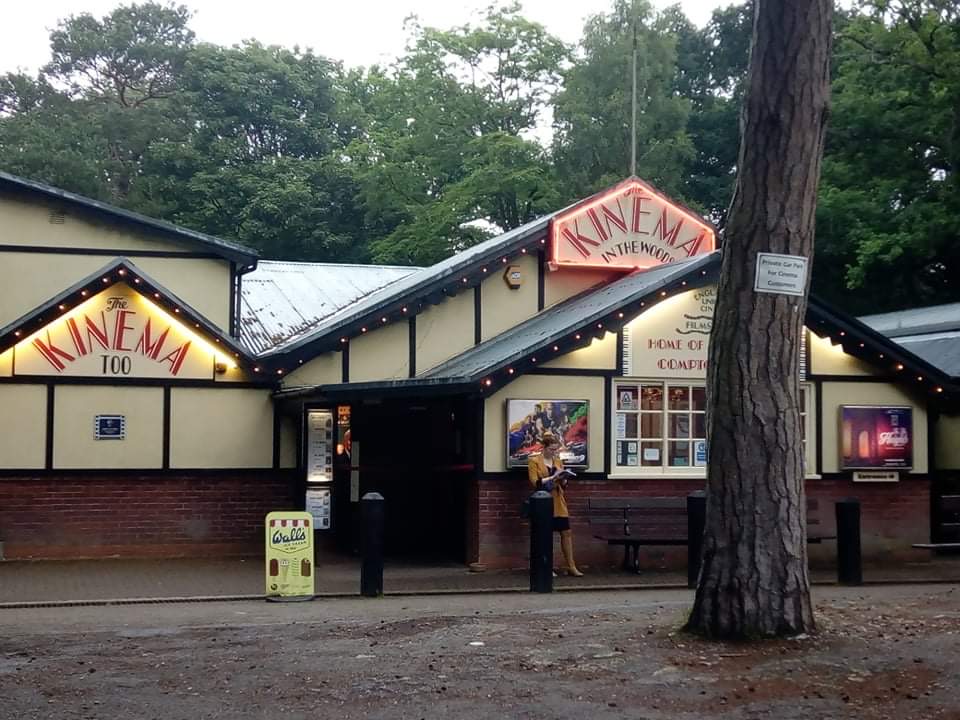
420 455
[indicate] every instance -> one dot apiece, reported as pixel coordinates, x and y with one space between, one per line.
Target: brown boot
566 545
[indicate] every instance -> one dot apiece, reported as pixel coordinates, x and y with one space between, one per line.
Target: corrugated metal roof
413 282
281 301
916 321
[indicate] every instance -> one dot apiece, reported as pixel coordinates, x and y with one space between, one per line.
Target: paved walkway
81 581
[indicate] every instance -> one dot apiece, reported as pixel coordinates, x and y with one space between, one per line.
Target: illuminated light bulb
343 340
543 241
156 295
533 359
881 356
510 372
256 369
17 333
684 283
576 337
106 280
861 344
383 319
920 378
939 389
842 333
483 269
464 279
122 272
599 326
300 362
363 329
555 348
279 372
84 293
176 310
619 314
523 250
403 309
488 382
136 280
663 293
62 307
899 366
503 260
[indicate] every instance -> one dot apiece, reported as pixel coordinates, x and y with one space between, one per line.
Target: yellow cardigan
537 470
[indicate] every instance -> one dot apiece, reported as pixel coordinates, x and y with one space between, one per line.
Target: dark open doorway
420 455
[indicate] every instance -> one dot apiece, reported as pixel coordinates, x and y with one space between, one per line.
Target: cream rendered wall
444 330
566 282
947 442
23 426
598 355
829 359
30 279
221 428
6 363
381 354
503 307
546 387
325 369
836 394
74 446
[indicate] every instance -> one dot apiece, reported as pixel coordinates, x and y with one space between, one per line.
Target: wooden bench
946 529
659 521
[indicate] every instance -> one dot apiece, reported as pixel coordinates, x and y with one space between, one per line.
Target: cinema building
163 390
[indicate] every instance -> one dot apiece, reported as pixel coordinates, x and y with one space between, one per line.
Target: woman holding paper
546 472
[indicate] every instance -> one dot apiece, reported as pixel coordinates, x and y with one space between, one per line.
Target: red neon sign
629 226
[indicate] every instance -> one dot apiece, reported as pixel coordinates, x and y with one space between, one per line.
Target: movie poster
527 420
873 437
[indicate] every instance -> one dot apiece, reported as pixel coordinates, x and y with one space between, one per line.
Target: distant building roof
932 333
281 301
916 321
230 250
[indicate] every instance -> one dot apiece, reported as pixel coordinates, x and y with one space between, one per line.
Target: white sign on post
781 274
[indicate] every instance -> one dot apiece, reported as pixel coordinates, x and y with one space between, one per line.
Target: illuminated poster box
874 437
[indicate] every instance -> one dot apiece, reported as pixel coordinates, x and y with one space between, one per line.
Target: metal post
696 522
849 562
541 542
372 515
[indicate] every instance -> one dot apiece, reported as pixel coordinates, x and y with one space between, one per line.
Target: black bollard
372 516
541 542
696 522
849 562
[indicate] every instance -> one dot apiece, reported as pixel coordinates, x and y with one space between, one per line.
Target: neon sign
629 226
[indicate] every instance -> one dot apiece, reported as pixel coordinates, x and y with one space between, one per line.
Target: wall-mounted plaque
320 446
109 427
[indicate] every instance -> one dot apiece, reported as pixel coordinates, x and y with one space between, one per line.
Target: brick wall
893 516
139 516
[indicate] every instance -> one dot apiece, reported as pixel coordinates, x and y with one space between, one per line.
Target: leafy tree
448 149
592 113
890 207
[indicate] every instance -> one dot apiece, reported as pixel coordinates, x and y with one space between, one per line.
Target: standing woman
544 471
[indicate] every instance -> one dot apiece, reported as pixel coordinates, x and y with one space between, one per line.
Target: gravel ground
882 652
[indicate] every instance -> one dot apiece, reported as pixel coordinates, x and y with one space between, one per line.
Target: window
662 426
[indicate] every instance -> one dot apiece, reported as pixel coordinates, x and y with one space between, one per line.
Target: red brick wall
139 516
893 516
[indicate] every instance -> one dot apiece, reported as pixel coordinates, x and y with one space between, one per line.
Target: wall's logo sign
629 226
117 332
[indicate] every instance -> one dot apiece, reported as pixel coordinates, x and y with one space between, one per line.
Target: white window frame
807 417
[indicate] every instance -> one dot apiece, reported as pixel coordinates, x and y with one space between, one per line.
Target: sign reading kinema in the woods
629 226
116 333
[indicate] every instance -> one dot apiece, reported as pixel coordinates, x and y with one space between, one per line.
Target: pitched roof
916 321
439 279
174 233
281 301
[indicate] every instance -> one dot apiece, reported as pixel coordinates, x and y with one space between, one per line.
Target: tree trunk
754 580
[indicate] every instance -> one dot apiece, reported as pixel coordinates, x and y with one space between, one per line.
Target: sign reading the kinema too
630 226
116 333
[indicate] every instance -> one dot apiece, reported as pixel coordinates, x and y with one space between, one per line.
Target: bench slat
647 503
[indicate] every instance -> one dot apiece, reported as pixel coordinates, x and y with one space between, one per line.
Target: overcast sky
359 32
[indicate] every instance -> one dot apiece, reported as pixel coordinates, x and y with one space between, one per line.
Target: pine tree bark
754 580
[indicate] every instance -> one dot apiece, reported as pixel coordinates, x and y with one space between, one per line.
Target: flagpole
633 102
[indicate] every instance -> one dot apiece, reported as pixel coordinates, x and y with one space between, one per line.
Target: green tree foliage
890 208
486 126
450 151
592 115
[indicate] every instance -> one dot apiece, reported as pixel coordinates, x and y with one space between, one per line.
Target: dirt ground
882 652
